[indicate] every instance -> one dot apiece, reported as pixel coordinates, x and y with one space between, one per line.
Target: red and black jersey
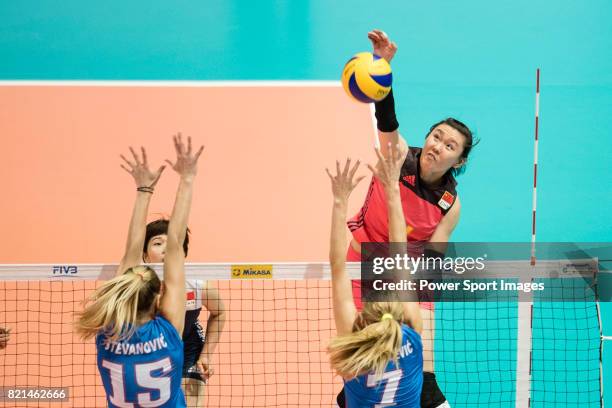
423 206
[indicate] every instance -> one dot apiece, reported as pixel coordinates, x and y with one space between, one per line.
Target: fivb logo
65 270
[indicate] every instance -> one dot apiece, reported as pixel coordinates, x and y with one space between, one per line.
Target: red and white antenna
535 170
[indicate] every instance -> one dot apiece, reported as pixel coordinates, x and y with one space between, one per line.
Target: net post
523 351
602 338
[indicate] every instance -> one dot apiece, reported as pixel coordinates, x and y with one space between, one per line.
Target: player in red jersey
429 199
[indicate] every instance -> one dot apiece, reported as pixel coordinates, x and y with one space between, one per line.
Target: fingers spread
144 156
135 156
127 161
358 180
179 137
354 169
346 167
390 152
177 146
398 153
379 154
197 156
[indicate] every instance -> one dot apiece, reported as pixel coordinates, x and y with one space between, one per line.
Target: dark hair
160 227
466 132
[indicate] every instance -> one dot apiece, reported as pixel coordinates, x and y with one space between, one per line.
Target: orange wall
261 194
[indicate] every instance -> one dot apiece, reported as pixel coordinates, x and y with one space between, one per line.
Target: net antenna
535 169
525 309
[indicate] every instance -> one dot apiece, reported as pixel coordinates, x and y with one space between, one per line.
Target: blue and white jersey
193 306
400 386
145 370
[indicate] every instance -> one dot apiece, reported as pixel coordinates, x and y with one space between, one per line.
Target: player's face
156 249
442 149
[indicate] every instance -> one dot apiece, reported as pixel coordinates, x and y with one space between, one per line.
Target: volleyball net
508 353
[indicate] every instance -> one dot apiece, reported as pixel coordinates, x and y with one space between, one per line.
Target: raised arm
388 172
172 304
145 183
344 307
386 120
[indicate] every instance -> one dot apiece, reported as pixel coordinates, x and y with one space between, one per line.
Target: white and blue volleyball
367 77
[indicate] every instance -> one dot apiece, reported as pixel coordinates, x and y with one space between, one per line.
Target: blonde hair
116 306
373 343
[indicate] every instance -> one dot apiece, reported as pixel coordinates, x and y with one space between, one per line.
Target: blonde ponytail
117 305
375 341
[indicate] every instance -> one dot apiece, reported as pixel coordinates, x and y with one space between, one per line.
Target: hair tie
387 316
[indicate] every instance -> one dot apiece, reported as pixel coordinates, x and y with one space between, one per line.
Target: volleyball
367 77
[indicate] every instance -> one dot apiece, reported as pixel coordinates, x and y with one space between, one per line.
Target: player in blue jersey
378 351
136 318
199 344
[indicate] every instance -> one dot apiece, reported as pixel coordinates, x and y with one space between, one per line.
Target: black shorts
192 347
431 395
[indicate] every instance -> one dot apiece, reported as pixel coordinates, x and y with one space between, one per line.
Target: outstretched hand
139 169
343 183
186 160
389 168
381 44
